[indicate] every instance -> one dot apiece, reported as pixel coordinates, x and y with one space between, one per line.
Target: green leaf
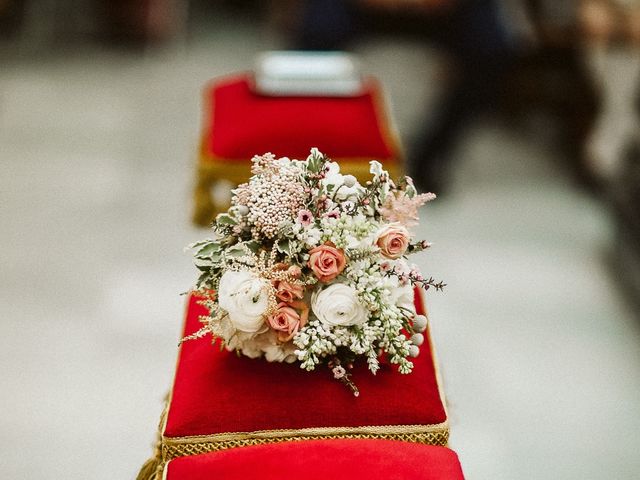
315 161
208 249
284 246
198 244
225 219
253 246
202 279
235 251
203 264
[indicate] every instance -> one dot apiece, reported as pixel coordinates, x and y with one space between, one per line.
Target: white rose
337 305
245 298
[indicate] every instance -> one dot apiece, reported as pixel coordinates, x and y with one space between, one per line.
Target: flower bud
420 323
242 210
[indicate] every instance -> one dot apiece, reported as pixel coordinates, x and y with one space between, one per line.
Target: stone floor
540 353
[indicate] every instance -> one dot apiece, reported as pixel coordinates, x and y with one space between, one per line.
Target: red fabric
243 124
217 391
322 460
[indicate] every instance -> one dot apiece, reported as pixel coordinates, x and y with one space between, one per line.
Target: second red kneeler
322 460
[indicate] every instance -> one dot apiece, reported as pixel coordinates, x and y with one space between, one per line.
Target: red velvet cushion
217 392
322 460
242 124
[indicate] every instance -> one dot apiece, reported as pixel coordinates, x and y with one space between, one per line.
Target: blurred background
520 115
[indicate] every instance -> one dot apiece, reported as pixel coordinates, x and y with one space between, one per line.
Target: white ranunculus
245 298
337 305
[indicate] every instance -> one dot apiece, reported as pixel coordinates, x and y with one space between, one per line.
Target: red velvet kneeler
322 460
220 400
239 123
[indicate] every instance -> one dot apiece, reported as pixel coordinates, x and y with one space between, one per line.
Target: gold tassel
150 470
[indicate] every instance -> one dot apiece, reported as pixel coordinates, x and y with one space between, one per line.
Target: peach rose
288 292
287 321
327 262
393 240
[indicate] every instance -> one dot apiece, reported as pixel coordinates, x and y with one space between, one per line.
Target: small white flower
247 343
312 236
343 187
245 298
338 372
345 192
403 297
350 180
275 352
337 305
284 161
333 175
375 168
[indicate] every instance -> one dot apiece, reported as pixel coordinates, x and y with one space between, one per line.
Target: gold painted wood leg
204 207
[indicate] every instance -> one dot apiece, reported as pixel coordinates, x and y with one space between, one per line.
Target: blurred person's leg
142 21
611 33
11 13
324 25
475 36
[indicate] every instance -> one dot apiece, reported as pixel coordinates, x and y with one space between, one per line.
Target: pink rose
327 262
393 240
287 321
288 292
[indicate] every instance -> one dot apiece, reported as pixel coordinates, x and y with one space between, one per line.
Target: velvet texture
322 460
218 392
242 124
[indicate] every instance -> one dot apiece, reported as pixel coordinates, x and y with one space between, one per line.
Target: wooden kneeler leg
204 207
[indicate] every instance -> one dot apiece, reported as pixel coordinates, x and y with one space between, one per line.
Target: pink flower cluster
326 262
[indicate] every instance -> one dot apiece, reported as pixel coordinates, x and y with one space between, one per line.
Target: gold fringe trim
151 470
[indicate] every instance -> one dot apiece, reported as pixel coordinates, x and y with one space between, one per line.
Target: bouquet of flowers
310 266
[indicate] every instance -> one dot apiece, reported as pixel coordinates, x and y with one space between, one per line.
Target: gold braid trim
181 446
